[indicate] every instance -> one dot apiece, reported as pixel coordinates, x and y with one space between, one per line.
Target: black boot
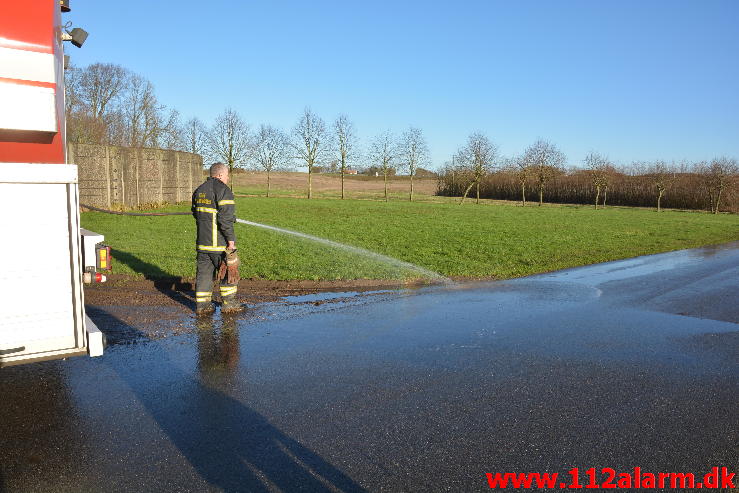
230 305
204 308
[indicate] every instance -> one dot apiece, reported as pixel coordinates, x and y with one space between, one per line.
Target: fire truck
45 257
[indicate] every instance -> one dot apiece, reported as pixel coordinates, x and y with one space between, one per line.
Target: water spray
356 250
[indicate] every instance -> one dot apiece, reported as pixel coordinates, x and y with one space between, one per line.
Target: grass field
490 240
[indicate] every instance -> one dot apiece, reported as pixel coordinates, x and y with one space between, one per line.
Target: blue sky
630 79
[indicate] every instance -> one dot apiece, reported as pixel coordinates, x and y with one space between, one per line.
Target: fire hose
119 213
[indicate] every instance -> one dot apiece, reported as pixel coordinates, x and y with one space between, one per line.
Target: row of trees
311 144
108 104
704 184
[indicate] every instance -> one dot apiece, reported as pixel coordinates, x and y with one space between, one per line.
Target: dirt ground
123 290
330 183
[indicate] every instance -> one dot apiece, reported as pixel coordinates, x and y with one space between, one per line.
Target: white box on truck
41 297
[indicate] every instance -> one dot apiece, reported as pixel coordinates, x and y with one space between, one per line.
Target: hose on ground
119 213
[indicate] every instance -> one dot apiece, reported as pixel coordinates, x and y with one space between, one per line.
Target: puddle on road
330 296
124 324
617 270
128 324
546 290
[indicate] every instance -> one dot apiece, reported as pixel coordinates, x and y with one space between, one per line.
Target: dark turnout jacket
215 212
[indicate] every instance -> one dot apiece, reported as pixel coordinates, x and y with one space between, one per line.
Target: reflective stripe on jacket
214 210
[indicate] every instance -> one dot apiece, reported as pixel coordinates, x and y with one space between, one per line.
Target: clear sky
631 79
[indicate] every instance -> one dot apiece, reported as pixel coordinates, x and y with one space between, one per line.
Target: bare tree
383 154
82 128
271 150
108 104
414 153
142 113
545 162
228 140
309 136
93 102
172 132
195 135
161 126
599 168
718 177
477 156
607 177
73 108
345 145
72 90
662 178
100 85
115 127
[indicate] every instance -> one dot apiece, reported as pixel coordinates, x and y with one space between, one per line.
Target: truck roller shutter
40 290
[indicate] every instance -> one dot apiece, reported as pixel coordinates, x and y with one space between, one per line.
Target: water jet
435 276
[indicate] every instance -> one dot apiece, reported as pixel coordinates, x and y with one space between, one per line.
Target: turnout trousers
207 269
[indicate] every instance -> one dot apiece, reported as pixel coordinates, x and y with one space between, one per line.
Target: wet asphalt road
630 363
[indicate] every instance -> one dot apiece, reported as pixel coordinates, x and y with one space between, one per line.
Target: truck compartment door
42 308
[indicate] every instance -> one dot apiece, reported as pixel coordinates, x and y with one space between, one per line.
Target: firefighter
213 207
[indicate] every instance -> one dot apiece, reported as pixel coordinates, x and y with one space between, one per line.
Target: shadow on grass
167 284
230 445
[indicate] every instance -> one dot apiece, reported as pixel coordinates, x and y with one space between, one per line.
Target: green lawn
483 240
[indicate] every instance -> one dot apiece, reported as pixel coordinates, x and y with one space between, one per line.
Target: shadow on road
162 280
230 445
39 445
